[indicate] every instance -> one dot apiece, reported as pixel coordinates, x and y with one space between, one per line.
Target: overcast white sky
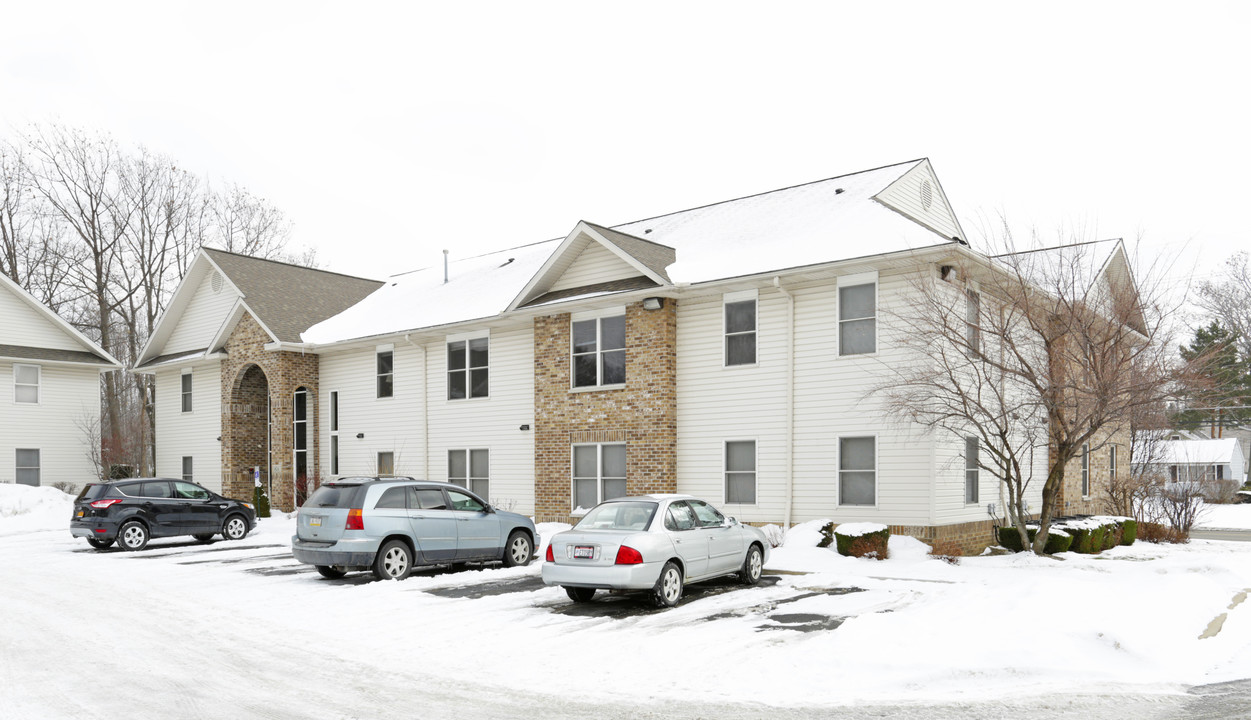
390 131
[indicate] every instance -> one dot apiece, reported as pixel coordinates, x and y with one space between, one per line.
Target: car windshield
632 515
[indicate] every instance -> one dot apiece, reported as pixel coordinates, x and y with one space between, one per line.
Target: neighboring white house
724 351
1200 460
50 408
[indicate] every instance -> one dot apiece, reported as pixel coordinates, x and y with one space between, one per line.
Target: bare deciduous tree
1036 354
1228 298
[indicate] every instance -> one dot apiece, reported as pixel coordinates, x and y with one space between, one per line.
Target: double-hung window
1086 470
972 321
27 467
971 470
185 391
1112 462
857 471
385 361
26 384
187 473
470 469
740 471
468 374
334 432
599 474
857 317
740 328
598 349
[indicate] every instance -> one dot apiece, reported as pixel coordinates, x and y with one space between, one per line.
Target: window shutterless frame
470 468
597 351
857 314
468 366
334 432
972 474
740 316
739 472
27 466
599 473
384 361
1086 471
187 467
26 381
857 470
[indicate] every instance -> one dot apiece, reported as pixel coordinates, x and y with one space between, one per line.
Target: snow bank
30 509
858 529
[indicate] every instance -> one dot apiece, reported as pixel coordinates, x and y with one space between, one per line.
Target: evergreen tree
1219 400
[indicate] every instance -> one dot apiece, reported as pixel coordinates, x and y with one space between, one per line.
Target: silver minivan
389 525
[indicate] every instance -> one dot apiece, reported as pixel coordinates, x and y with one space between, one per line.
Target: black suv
132 511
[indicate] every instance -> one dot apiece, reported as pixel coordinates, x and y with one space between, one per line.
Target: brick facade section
1070 500
971 537
643 414
253 377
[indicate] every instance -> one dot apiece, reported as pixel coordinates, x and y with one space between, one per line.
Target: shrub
1058 543
1129 531
1081 540
260 501
947 551
1011 539
66 487
1096 539
1160 533
827 535
1111 536
871 544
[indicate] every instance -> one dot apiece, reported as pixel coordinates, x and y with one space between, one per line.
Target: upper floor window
467 368
1112 462
740 330
599 351
386 373
26 383
972 321
857 319
186 391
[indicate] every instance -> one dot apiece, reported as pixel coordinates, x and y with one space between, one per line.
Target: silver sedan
655 543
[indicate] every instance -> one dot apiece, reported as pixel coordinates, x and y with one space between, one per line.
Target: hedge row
1077 536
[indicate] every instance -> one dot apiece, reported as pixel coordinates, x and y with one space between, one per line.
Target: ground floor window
970 470
599 474
1085 471
740 471
186 469
470 469
857 471
386 463
28 466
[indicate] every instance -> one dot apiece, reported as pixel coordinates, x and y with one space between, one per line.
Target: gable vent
927 195
216 282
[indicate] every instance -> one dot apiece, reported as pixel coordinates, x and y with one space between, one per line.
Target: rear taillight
355 521
627 555
551 557
101 504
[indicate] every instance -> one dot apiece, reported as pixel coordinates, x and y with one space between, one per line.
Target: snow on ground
193 629
1227 517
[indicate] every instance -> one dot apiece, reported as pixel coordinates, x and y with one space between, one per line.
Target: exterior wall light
653 303
360 436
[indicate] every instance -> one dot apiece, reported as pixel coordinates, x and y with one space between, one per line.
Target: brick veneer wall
1070 500
243 412
643 414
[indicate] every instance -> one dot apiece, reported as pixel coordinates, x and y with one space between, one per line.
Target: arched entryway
248 438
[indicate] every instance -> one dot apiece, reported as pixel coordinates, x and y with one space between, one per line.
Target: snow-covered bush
859 539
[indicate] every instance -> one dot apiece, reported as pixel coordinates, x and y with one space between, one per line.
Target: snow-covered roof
826 221
1198 452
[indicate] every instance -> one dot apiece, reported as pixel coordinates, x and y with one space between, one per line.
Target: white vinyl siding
69 400
194 434
595 264
907 195
29 327
204 316
399 424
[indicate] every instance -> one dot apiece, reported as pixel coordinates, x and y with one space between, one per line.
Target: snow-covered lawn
193 629
1226 517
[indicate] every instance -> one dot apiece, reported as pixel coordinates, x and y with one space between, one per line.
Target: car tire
331 572
204 537
519 550
668 589
100 544
753 566
394 561
235 528
580 595
133 536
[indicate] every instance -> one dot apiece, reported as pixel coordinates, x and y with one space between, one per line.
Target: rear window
333 496
91 491
618 516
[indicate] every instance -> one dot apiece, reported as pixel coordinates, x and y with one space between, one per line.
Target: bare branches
1228 298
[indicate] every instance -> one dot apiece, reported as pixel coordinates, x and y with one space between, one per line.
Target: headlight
247 505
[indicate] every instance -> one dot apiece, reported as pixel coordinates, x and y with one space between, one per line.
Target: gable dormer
29 330
594 259
918 196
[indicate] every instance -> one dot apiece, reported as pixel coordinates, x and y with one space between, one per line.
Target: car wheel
329 571
235 528
394 561
753 565
204 537
668 589
133 536
518 551
99 544
580 595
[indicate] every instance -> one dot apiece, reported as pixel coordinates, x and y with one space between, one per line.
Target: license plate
80 513
314 522
583 551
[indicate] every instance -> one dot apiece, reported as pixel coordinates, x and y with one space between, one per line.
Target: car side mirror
731 521
488 509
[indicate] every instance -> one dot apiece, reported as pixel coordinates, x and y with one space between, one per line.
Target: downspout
790 398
